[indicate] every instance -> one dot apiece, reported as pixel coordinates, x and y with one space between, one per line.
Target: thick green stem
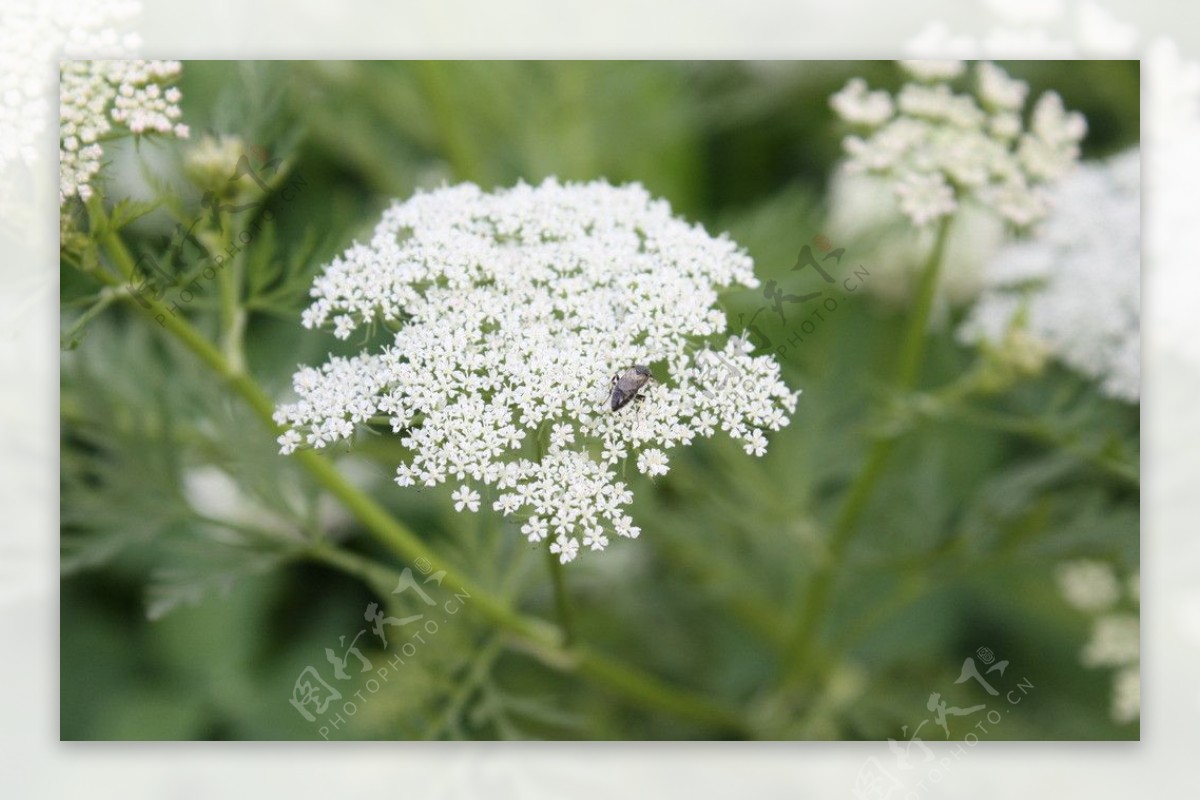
799 659
540 638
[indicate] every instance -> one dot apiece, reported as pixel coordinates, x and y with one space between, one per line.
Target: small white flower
756 445
566 547
464 496
594 538
652 462
613 451
507 503
561 435
289 441
625 528
535 529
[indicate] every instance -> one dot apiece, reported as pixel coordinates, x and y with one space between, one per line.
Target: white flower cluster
1093 587
514 310
1075 286
98 95
938 148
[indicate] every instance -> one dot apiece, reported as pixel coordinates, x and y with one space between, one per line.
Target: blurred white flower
514 309
925 197
1127 694
943 148
1075 285
997 90
1093 587
94 97
857 105
1114 642
1089 585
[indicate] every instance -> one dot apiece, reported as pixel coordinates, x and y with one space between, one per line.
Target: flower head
98 96
515 310
942 147
1075 286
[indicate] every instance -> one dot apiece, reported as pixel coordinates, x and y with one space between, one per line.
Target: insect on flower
625 386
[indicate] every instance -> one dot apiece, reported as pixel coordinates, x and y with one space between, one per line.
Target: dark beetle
625 386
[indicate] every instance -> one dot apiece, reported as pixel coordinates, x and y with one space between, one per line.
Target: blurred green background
188 606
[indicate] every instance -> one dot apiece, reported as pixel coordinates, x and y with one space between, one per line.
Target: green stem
561 601
558 579
798 658
233 315
541 638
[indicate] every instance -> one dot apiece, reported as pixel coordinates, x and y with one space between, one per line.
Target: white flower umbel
1075 285
513 311
941 148
99 100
